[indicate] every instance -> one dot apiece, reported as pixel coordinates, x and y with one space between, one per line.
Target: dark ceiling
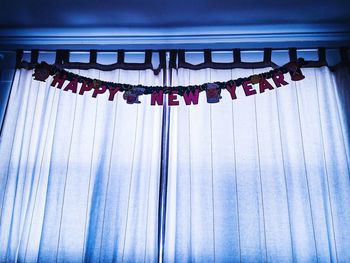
181 13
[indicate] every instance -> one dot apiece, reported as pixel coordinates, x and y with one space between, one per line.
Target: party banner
74 83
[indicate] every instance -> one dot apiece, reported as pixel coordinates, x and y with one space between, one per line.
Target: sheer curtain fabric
259 178
79 175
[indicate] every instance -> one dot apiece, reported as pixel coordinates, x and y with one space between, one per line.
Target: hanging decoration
131 93
213 93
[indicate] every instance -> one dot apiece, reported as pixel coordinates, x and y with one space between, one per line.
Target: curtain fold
260 178
79 175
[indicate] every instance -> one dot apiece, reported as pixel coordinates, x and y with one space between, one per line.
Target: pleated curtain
79 175
259 178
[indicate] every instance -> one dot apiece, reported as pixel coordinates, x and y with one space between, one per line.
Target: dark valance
177 60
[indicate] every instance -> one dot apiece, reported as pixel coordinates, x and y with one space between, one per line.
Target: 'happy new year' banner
79 84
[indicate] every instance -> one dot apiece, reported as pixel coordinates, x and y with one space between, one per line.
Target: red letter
157 97
112 92
232 90
72 85
172 98
86 86
191 98
264 84
99 90
57 79
248 89
278 78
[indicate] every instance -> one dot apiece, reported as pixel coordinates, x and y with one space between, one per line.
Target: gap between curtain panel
163 186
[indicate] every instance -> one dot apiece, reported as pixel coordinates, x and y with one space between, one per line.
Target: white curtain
79 176
260 178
